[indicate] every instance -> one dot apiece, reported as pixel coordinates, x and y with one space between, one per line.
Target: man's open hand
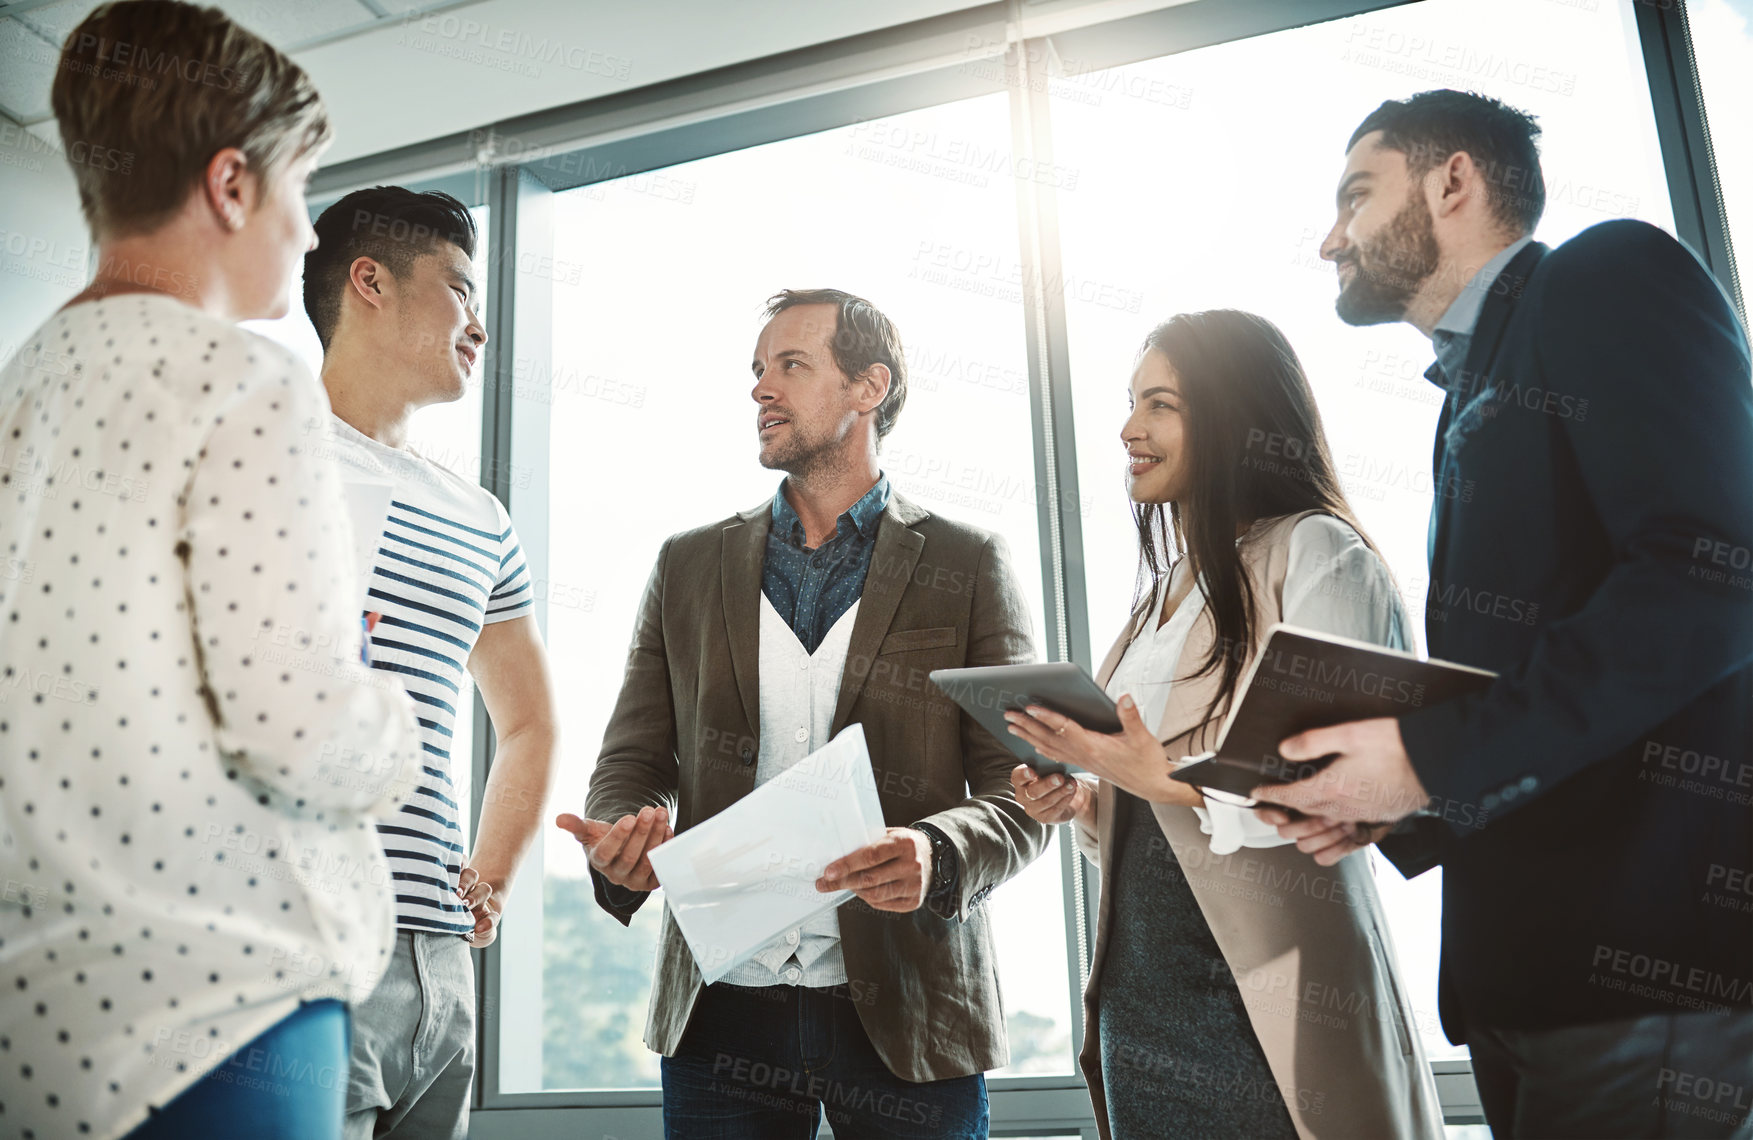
621 851
893 873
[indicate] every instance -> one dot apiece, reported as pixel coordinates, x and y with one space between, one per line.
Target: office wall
44 247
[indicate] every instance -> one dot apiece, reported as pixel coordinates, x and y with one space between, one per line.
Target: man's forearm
513 806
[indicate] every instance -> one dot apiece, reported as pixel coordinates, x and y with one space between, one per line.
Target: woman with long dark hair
1236 987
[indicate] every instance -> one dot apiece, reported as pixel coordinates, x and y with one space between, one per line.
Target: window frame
514 167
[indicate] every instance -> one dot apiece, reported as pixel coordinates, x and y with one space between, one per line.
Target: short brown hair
863 336
157 88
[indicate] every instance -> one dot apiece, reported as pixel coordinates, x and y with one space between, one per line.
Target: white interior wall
44 247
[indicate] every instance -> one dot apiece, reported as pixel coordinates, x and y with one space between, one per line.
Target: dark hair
155 89
862 337
1432 125
391 225
1255 450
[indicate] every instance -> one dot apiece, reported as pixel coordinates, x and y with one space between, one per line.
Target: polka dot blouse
190 752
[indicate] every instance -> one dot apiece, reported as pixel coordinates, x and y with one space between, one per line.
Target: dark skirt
1179 1056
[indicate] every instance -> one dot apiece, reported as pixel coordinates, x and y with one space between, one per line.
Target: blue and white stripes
448 565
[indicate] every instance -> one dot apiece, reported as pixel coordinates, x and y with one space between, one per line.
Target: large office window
658 287
1722 38
1206 180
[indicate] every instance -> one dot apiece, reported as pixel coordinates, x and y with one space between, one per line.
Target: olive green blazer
683 735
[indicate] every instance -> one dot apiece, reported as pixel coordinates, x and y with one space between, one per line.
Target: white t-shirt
448 565
185 848
1332 583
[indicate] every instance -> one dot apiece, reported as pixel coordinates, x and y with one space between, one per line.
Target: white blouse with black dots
190 751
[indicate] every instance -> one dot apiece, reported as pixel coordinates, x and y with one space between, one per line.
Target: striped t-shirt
447 565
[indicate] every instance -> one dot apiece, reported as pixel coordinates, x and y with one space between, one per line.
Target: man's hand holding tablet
1353 801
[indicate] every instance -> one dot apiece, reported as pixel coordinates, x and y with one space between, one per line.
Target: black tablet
1240 778
1303 679
990 691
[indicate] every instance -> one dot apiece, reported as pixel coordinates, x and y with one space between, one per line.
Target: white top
1333 583
798 693
189 747
446 566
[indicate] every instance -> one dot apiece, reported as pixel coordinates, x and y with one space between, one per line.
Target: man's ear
1455 183
366 280
875 383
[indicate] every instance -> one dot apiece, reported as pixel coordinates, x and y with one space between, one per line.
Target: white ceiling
395 72
31 33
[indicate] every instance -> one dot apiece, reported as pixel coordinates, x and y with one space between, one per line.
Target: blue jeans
763 1064
288 1084
414 1044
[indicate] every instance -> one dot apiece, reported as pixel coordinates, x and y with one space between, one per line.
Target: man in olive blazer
685 739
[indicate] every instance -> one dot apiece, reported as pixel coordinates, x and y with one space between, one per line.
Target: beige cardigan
1308 944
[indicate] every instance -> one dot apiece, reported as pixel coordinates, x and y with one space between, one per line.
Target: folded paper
746 876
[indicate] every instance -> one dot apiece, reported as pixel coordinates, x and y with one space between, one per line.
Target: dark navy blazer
1593 523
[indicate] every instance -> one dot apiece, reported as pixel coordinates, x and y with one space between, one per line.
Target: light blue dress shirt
1453 339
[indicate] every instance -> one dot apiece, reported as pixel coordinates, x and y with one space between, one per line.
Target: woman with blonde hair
191 749
1236 987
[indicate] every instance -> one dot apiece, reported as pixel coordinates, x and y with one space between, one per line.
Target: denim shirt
1453 335
813 589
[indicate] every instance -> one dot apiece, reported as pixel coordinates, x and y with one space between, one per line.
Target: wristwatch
945 869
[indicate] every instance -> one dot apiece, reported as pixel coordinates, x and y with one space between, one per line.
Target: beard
798 453
1391 267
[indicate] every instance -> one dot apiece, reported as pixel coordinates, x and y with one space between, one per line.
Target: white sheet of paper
739 880
368 508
